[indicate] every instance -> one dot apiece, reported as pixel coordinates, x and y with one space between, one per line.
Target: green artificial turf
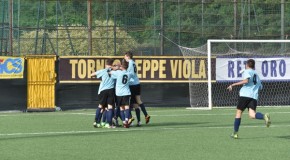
174 133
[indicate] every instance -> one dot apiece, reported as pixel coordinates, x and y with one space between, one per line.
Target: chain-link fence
100 27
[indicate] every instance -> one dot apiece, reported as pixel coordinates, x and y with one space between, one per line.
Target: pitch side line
92 114
128 130
154 115
176 115
6 113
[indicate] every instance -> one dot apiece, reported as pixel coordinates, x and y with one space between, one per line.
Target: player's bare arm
245 81
94 74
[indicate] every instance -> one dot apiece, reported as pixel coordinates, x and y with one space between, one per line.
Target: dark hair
110 61
251 63
129 54
125 64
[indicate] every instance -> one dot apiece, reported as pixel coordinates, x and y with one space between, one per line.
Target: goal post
225 63
209 75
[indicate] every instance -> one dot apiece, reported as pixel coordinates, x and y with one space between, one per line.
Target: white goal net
224 63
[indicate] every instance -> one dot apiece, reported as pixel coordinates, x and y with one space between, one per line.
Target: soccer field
174 133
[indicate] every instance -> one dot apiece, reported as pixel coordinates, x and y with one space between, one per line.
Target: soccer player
106 94
104 117
135 106
123 93
136 89
116 66
248 97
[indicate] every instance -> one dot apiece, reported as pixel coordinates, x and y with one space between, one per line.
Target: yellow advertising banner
154 69
11 67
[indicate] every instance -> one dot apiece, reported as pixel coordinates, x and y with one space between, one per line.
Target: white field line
177 115
180 109
171 115
154 115
127 130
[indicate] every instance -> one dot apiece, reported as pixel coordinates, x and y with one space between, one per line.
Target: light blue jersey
132 68
123 80
251 89
107 81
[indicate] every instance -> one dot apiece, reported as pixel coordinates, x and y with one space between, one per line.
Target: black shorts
246 102
133 100
107 97
135 91
123 101
116 101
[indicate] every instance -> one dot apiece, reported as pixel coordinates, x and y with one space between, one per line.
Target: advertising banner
11 67
268 69
154 69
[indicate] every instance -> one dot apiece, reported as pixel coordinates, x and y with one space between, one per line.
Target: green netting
61 27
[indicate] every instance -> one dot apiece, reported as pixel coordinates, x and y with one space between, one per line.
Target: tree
103 40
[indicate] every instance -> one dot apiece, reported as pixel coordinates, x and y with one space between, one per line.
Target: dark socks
110 116
137 110
117 112
259 116
98 115
122 114
104 116
131 108
143 109
237 124
127 114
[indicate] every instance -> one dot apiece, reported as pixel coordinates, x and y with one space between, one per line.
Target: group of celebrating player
119 93
120 90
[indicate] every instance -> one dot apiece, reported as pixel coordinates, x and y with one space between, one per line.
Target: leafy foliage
103 40
188 23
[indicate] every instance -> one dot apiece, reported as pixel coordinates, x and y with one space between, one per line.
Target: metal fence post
11 27
161 27
115 32
89 9
282 24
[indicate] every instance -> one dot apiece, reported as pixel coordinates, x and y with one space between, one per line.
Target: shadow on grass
178 124
99 132
284 137
253 138
23 137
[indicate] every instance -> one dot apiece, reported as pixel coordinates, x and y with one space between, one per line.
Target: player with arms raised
136 88
106 94
248 97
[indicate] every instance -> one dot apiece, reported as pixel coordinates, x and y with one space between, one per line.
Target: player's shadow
284 137
54 135
179 124
105 132
254 137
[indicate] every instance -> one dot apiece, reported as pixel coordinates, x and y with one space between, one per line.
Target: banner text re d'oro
268 68
155 69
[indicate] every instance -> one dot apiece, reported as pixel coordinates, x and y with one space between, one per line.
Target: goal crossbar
210 41
248 41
